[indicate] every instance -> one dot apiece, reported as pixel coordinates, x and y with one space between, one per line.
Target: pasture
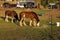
12 31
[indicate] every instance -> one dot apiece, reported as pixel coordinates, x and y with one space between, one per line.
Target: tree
44 2
59 4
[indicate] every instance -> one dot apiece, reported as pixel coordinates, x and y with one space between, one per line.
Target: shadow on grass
15 21
2 17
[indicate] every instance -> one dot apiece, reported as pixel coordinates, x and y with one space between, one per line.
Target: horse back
10 13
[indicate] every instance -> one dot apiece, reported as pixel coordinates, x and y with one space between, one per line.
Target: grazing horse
29 15
10 14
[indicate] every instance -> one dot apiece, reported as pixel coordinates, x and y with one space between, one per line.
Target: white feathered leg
6 19
24 20
12 20
38 24
30 23
34 23
21 22
24 23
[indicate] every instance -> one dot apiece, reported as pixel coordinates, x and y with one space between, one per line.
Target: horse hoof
21 26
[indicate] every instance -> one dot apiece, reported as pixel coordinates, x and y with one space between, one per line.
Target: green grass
11 31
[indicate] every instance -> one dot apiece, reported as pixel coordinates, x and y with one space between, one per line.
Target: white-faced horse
29 15
10 14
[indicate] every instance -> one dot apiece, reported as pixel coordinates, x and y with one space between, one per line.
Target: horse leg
34 23
21 22
6 18
30 23
38 24
12 20
24 22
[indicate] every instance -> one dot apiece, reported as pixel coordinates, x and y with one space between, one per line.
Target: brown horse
10 14
29 15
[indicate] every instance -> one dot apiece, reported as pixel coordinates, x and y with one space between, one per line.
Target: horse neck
17 17
36 17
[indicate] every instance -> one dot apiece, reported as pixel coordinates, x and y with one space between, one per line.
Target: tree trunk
59 4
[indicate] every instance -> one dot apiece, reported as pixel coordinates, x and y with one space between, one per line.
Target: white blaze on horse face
6 19
30 23
38 24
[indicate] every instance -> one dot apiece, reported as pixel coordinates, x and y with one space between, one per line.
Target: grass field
12 31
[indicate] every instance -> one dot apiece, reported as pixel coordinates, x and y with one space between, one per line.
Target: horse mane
16 16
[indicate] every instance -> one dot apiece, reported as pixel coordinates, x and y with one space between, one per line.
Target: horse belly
29 17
